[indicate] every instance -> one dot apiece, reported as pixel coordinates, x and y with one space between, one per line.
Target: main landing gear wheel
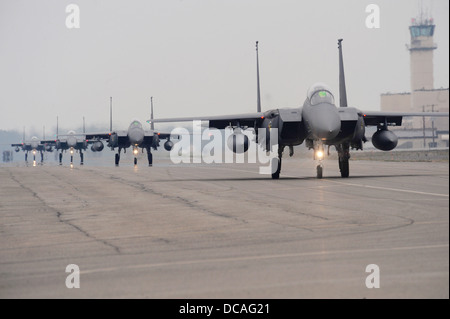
319 171
117 159
60 158
150 159
344 168
276 175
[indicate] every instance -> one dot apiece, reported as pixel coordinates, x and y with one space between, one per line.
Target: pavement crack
85 233
59 216
179 199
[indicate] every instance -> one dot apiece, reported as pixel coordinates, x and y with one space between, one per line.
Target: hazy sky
197 57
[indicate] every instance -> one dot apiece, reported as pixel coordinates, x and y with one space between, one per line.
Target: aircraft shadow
286 178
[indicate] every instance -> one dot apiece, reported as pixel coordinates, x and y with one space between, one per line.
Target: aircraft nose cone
136 136
327 130
71 141
327 126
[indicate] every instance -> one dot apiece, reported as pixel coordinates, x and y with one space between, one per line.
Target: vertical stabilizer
57 132
258 93
110 113
84 126
152 125
342 89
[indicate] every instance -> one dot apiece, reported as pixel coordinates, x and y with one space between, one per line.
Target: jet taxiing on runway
135 136
318 123
71 142
34 145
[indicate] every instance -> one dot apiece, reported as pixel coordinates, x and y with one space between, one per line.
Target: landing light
319 155
135 151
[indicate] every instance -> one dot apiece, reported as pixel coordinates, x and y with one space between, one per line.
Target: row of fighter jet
134 137
319 123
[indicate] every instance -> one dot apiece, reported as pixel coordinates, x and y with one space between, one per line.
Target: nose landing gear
318 156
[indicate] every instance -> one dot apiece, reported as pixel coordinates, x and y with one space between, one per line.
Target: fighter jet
72 142
34 145
135 137
318 123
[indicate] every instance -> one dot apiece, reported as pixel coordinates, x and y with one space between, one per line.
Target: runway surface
225 231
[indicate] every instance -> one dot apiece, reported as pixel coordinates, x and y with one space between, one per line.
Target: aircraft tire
319 171
345 168
276 175
150 159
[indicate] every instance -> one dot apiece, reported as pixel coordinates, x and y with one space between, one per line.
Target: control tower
421 54
419 132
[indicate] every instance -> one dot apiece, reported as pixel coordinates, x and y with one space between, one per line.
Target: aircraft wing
101 135
49 142
160 135
219 121
167 135
374 118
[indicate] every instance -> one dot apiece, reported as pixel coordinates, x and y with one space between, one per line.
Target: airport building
420 132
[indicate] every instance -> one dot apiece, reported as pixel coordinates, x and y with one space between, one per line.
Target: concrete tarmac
225 231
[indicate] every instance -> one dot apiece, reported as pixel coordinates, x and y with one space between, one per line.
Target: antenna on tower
57 127
152 125
258 102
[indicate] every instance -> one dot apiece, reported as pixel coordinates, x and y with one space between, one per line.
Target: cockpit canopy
136 123
320 93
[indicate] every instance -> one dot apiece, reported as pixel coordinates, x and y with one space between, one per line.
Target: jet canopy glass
136 123
320 93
